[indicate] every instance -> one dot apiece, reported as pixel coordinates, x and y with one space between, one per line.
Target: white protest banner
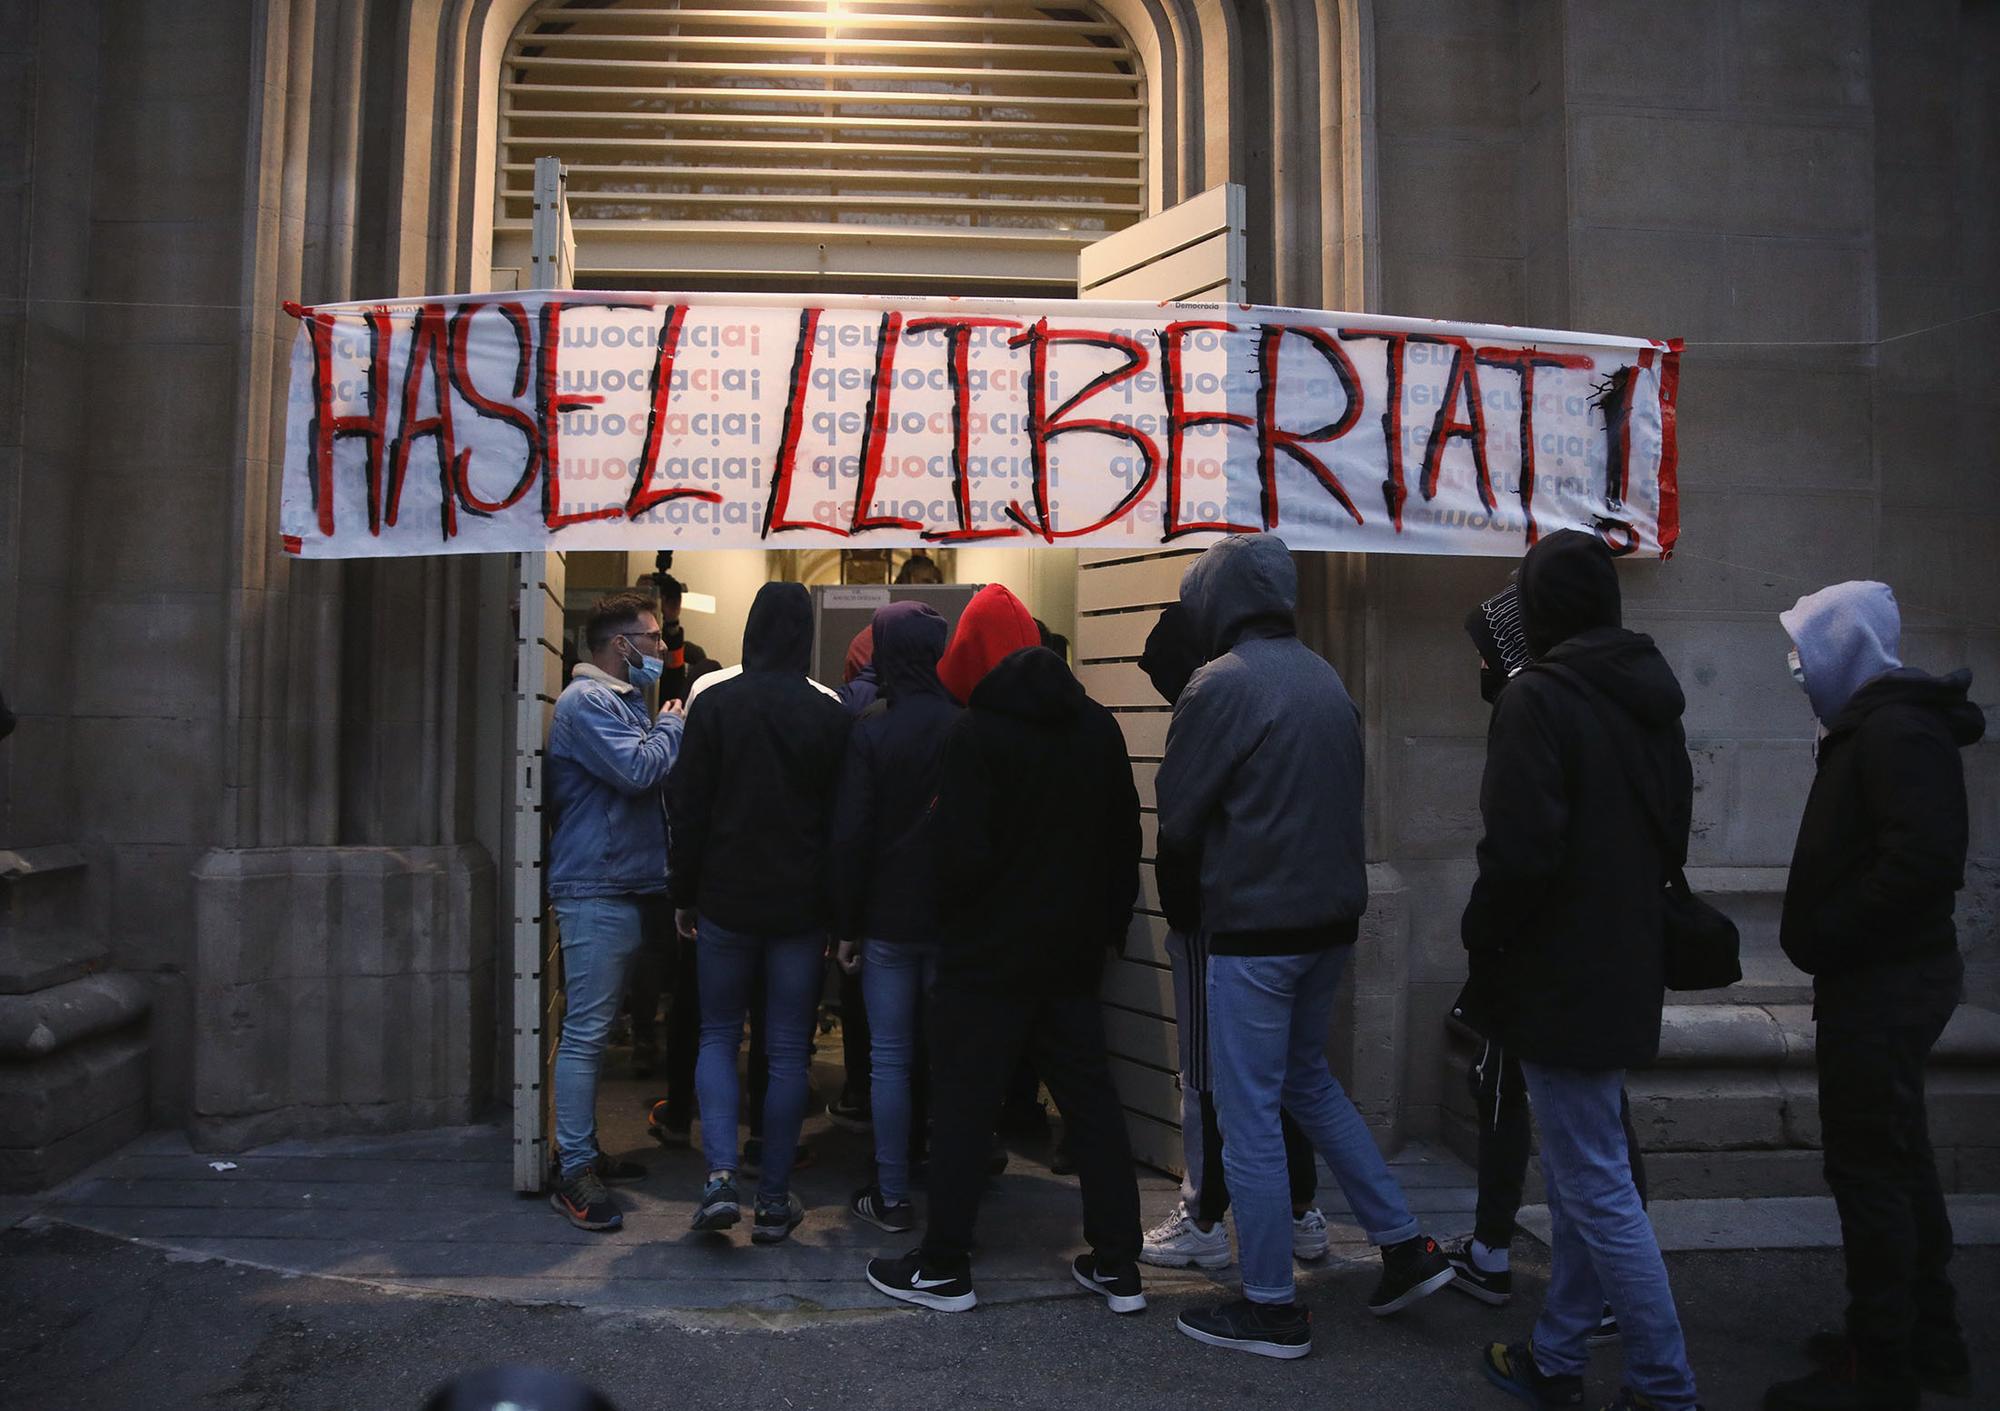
593 420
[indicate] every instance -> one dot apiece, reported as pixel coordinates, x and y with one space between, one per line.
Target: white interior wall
732 577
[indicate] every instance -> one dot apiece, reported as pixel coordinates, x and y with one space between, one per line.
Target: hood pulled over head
779 632
1245 586
1172 654
1568 585
994 625
1846 636
909 640
860 654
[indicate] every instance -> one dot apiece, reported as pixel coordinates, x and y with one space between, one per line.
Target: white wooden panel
1218 210
1145 989
1146 939
536 952
1195 251
1155 1144
1152 582
1119 683
1101 636
1144 1088
1181 276
1145 732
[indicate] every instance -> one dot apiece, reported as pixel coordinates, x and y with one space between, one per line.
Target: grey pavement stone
434 1212
1777 1222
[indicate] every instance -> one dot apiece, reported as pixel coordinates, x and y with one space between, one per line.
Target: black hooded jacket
884 882
1172 656
750 801
1881 848
1036 831
1565 919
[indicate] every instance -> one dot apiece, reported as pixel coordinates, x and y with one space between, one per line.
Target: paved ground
360 1274
89 1323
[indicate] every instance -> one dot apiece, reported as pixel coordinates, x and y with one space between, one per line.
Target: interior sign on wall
589 420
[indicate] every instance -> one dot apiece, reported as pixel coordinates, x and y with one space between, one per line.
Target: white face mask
1798 671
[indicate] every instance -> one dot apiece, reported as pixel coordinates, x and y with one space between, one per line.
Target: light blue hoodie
1846 636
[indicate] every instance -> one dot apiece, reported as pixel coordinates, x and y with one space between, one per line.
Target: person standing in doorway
1193 1232
885 884
1036 837
750 804
1262 779
607 861
1565 929
1868 914
1482 1265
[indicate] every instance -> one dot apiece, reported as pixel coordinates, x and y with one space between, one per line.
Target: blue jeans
1603 1245
896 980
1268 1017
600 935
726 965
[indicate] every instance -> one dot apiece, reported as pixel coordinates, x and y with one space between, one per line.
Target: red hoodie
860 652
994 625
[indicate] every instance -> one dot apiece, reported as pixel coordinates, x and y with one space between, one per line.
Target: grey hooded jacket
1262 775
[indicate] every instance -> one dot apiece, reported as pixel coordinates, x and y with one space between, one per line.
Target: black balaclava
1173 654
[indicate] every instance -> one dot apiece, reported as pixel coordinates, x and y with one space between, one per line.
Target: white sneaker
1178 1243
1309 1235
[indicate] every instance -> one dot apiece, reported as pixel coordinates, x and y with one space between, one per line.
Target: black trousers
1500 1097
855 1052
1876 1029
976 1039
1301 1165
683 1036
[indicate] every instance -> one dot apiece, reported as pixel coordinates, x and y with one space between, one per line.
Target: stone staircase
1732 1109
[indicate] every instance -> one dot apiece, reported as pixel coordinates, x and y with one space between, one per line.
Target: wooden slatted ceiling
840 113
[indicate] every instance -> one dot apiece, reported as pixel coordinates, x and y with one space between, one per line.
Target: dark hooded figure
885 883
1481 1264
750 808
1035 836
1868 914
1586 773
1193 1232
1262 779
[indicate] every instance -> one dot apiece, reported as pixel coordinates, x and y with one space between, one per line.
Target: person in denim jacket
608 755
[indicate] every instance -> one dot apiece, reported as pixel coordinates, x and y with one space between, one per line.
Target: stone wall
340 990
1781 185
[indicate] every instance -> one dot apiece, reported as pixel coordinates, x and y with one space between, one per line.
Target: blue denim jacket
606 760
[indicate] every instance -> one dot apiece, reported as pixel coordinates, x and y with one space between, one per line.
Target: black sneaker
1606 1332
1267 1329
947 1290
1468 1278
850 1113
1412 1270
615 1170
1840 1389
665 1127
776 1219
1942 1365
582 1200
1118 1286
1513 1369
868 1204
719 1206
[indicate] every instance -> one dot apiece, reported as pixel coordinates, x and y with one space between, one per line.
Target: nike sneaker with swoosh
1118 1286
949 1290
582 1200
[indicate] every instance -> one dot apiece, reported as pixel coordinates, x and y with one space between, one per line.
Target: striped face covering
1495 629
